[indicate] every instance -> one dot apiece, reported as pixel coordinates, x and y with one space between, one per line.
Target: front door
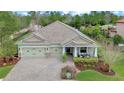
69 50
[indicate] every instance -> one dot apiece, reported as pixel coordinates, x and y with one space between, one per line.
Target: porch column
63 50
75 52
95 54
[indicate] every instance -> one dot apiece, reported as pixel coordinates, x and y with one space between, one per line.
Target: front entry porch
80 51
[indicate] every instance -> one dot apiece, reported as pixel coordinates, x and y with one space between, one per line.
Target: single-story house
57 39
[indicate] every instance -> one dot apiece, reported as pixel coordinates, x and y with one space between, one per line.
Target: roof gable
33 39
79 41
57 33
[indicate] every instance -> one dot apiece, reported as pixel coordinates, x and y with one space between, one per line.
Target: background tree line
94 18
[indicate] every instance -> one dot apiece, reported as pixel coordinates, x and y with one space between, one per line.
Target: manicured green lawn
90 75
116 61
118 66
4 71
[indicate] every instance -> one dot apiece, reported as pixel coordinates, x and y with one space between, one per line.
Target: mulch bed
99 66
69 69
11 60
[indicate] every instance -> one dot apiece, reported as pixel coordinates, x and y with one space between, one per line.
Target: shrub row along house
55 40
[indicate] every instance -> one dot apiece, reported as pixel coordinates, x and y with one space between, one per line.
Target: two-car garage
32 52
37 51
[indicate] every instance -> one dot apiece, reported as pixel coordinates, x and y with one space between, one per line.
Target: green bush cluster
89 59
64 57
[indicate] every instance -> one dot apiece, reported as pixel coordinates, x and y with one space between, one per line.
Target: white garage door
40 52
33 52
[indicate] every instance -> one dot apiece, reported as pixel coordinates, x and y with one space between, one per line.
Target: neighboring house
120 27
57 39
109 29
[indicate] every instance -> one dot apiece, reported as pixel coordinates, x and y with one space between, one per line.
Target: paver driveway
36 69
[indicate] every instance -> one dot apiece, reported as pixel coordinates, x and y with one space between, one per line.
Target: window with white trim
83 50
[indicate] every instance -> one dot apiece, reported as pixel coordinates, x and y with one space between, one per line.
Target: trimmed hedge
86 59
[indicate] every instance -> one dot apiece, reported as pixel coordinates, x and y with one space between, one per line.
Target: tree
9 48
117 39
49 17
88 30
95 32
32 14
24 21
68 19
92 31
76 22
8 25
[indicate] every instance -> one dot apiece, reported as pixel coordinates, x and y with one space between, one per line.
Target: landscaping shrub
117 39
64 57
90 59
81 66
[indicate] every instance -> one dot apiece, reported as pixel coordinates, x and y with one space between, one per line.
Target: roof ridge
76 30
33 34
39 35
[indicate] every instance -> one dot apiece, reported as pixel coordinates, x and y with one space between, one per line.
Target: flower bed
5 61
94 64
68 72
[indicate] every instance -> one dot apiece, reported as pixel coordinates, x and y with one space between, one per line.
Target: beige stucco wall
55 51
120 29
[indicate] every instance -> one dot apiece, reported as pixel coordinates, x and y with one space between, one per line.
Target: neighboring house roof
121 20
58 33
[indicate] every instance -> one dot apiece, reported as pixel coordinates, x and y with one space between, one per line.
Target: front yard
5 70
114 58
90 75
116 61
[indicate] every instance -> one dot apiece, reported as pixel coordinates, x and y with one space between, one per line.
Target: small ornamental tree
117 39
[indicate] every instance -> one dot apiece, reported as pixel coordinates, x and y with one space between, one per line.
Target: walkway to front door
70 60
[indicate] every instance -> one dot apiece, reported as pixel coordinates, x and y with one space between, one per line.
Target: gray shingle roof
58 32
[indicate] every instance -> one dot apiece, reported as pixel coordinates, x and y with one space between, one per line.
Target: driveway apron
36 69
